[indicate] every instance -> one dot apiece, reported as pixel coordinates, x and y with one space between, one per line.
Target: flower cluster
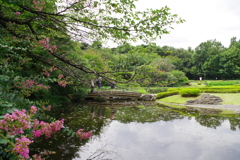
18 121
62 82
17 13
15 124
46 71
83 135
38 5
29 83
42 128
21 146
48 108
30 86
47 46
33 110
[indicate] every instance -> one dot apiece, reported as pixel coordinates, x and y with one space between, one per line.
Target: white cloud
205 20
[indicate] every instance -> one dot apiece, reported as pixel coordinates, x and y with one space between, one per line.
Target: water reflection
148 131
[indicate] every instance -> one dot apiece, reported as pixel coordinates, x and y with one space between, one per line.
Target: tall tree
204 53
80 20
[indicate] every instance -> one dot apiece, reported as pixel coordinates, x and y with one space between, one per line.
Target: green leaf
12 157
3 141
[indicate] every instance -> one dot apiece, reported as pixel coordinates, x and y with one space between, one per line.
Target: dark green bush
189 92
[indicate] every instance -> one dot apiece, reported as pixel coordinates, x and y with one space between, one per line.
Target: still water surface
148 132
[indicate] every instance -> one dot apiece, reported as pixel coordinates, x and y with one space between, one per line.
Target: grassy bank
228 98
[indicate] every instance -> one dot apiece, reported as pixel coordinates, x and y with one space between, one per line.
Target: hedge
166 94
189 92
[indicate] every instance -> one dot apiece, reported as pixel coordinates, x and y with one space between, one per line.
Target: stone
205 99
148 97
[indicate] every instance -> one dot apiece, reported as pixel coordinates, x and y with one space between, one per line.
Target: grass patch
177 99
227 112
228 98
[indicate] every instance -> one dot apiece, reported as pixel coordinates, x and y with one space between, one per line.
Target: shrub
174 89
157 90
143 91
166 94
189 92
222 83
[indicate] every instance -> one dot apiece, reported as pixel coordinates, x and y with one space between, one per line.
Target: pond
149 131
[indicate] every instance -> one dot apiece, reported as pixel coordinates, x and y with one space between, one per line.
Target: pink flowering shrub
19 121
18 13
42 128
29 86
45 44
83 135
21 146
38 5
48 71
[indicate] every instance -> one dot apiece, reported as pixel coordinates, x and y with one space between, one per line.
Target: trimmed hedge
192 92
189 92
166 94
157 90
216 89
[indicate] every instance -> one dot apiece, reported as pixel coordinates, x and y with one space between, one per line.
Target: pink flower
60 76
17 122
33 110
47 129
37 157
18 13
83 135
47 74
54 47
62 83
21 146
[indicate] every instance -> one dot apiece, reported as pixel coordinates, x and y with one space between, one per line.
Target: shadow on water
102 117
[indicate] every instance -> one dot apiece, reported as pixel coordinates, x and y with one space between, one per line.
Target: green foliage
222 83
189 92
143 91
166 94
156 89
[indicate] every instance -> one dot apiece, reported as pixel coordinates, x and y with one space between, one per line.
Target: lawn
228 98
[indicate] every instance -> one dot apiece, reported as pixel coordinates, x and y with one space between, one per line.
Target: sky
205 20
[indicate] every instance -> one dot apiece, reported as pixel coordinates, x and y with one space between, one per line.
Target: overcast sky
205 20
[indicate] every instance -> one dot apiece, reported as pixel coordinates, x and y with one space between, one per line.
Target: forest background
51 50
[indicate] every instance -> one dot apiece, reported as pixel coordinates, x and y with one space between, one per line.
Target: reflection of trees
210 121
234 123
64 147
148 114
98 116
215 121
76 117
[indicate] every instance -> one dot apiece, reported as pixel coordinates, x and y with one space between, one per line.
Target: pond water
150 132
